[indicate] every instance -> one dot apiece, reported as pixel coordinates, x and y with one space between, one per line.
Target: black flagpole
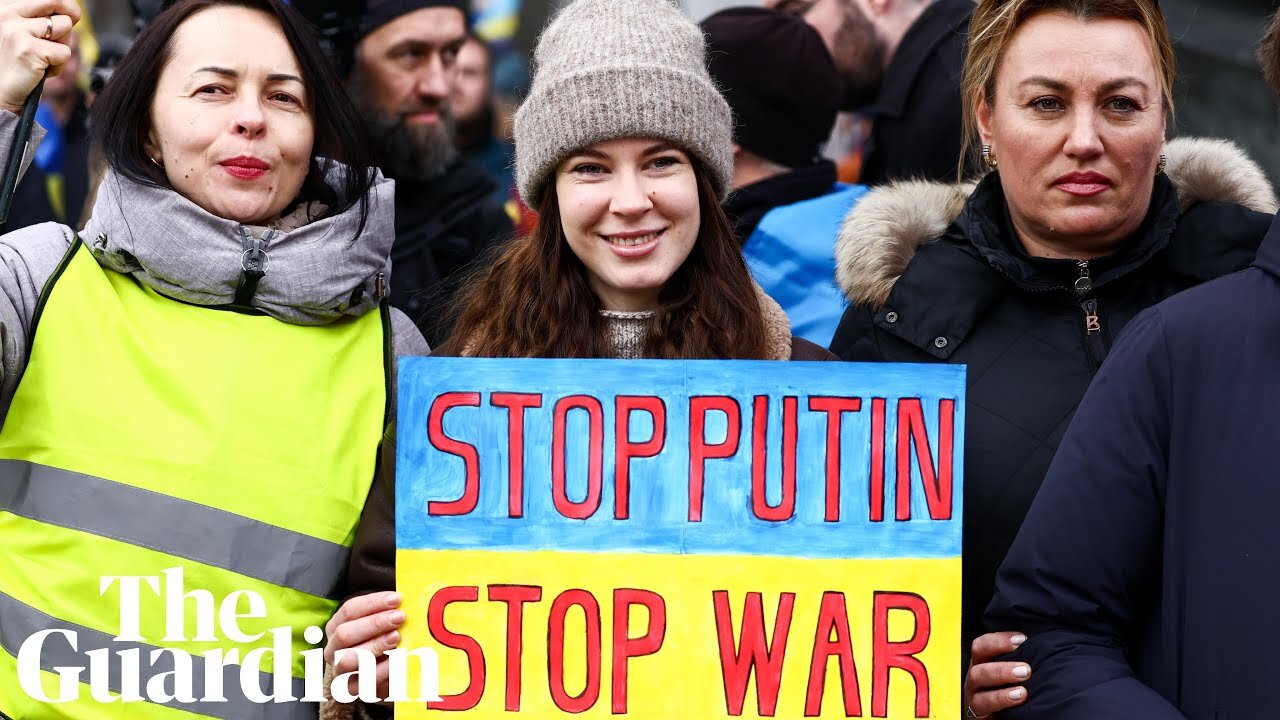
21 138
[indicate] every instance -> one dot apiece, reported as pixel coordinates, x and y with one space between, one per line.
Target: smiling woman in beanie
624 147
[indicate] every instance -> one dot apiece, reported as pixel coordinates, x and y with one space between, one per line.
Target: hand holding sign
987 685
370 622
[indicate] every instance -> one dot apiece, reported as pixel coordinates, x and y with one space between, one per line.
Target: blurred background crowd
1220 90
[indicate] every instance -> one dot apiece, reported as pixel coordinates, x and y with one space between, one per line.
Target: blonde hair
1269 53
996 21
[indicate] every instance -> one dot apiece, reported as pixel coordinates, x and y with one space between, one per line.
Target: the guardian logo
173 676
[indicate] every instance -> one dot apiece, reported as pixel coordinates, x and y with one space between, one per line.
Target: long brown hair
534 301
992 29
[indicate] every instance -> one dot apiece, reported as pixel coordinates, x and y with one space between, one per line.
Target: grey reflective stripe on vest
19 621
172 525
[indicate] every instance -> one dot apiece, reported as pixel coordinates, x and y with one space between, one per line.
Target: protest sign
682 539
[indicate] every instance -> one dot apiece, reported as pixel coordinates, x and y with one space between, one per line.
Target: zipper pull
1091 322
253 266
1095 341
1084 284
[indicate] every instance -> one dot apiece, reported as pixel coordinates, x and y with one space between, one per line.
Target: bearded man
401 79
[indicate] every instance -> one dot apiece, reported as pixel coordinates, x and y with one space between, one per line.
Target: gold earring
1163 160
988 158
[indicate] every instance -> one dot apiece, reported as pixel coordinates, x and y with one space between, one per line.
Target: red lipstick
1083 183
245 167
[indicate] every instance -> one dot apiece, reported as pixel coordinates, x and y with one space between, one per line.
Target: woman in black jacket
1086 218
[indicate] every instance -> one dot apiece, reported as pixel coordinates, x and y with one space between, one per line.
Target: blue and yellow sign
662 539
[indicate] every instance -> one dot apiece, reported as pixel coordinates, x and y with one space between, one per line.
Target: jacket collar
747 206
315 274
986 225
935 303
939 301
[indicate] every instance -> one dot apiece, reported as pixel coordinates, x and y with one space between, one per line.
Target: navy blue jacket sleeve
1086 562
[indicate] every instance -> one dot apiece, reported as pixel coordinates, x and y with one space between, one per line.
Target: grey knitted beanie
608 69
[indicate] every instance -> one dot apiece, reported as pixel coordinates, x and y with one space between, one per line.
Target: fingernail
1018 640
393 639
397 617
393 599
1022 671
1017 694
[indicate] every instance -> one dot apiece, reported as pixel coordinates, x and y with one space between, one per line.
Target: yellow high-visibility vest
149 434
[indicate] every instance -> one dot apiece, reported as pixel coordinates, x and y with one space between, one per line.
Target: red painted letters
626 647
887 655
466 451
555 637
700 451
515 403
470 697
752 653
595 464
625 450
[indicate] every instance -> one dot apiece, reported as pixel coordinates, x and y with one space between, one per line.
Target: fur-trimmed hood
880 235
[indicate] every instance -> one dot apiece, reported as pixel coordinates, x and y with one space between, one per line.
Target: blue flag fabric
49 154
792 255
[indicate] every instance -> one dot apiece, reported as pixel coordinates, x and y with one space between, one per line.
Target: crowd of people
236 236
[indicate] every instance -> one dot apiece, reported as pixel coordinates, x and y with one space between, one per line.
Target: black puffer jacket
1032 331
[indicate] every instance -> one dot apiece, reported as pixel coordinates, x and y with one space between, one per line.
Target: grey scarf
312 275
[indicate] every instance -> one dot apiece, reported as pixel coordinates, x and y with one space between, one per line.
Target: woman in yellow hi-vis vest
194 387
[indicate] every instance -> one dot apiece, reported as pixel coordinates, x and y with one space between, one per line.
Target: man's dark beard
860 57
421 152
